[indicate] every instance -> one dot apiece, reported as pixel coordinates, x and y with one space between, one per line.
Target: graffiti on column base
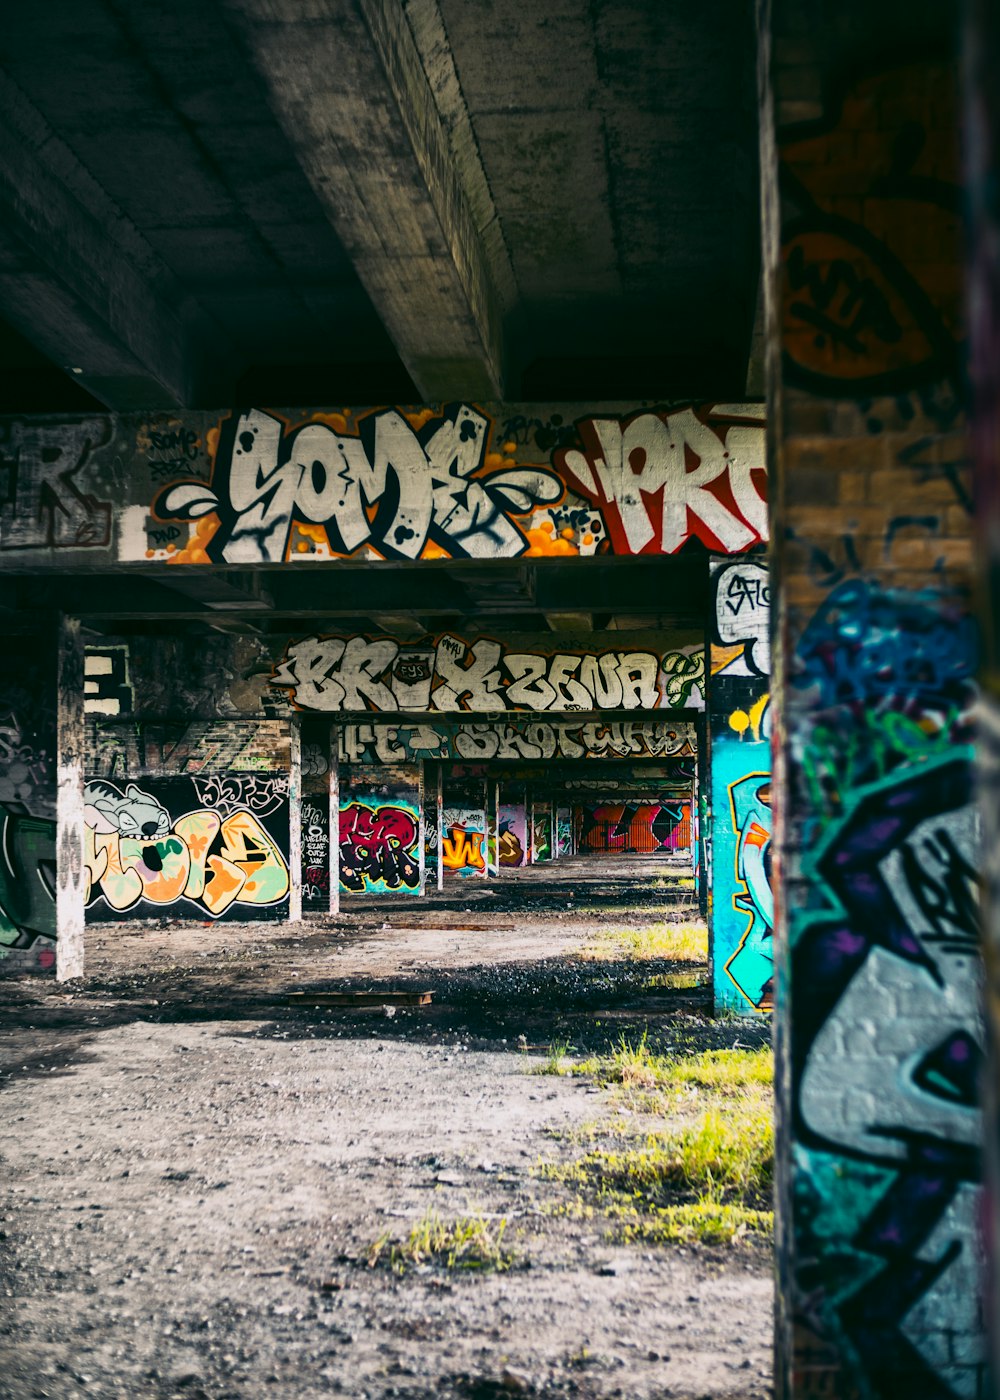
136 853
509 740
378 848
356 673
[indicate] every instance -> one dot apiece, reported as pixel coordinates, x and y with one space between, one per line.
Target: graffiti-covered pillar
742 904
982 123
878 973
72 878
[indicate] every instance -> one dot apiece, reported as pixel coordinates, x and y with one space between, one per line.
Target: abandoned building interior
442 440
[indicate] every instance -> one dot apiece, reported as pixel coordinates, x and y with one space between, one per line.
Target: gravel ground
194 1168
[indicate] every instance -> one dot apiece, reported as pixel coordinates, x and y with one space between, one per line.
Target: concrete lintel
347 84
79 282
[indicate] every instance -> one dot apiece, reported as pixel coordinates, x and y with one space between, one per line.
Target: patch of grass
674 982
557 1061
714 1159
662 941
702 1222
470 1242
708 1176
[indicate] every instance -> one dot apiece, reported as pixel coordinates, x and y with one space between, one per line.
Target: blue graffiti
867 646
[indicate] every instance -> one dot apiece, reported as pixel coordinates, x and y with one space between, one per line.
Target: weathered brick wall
878 976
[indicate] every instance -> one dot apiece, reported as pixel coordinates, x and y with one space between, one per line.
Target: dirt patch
194 1171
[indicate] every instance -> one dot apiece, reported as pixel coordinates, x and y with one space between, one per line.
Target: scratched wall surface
460 482
27 805
877 843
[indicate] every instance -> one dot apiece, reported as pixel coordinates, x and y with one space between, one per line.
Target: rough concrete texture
195 1171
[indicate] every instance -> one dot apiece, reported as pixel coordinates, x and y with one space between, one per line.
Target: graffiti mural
457 481
463 840
148 851
515 739
378 848
315 850
741 613
513 839
427 485
901 1102
107 689
885 969
360 673
635 827
564 832
380 830
48 490
738 828
751 966
541 833
740 834
660 479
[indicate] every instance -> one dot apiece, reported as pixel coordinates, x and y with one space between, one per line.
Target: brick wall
878 969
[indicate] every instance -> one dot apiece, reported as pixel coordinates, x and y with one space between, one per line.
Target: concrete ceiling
371 201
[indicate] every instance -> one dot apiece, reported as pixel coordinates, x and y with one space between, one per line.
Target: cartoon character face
131 813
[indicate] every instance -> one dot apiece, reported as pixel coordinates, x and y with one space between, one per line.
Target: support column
982 122
876 848
70 880
440 828
334 832
295 820
421 848
739 776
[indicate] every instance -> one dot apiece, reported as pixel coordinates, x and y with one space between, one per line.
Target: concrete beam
570 621
349 88
78 281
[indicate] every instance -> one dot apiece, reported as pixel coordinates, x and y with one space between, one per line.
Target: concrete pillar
70 878
873 681
982 123
334 777
738 720
440 828
295 821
